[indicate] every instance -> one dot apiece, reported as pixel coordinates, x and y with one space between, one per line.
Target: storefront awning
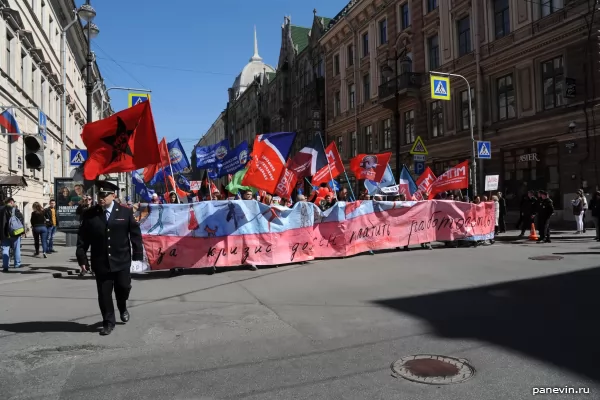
13 180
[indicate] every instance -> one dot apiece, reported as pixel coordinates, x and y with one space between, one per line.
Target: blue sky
196 49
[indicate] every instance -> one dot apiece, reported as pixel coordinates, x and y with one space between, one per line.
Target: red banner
424 184
370 166
335 164
456 177
286 184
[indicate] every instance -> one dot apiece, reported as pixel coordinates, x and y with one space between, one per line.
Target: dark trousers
544 224
502 223
526 223
121 281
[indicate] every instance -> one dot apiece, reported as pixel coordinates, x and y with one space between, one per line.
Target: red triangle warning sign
419 147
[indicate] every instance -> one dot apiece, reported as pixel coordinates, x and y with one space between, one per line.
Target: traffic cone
533 235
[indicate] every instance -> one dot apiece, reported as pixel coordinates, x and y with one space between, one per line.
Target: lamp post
87 13
387 73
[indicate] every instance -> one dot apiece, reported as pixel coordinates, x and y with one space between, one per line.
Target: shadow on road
575 253
49 326
552 319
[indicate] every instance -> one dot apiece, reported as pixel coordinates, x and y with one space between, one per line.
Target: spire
255 57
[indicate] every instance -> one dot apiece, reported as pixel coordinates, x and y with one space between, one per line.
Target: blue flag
406 183
183 183
235 160
160 176
179 160
210 156
212 172
140 186
387 180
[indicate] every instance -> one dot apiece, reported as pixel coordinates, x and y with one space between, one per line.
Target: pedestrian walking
594 207
51 224
502 216
496 201
115 239
545 211
577 204
528 211
12 223
40 231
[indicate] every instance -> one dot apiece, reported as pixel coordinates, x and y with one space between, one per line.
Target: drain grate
433 369
546 258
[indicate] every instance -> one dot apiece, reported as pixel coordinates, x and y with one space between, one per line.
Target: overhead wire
119 65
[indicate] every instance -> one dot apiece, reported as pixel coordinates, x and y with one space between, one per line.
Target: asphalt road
323 330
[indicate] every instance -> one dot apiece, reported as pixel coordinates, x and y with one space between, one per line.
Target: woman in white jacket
497 213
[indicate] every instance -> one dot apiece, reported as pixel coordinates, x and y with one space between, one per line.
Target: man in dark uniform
528 211
115 240
545 211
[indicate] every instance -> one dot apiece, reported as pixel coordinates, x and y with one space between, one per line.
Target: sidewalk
513 235
35 268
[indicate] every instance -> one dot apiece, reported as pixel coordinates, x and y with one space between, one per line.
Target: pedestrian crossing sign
78 157
484 150
440 88
419 148
137 98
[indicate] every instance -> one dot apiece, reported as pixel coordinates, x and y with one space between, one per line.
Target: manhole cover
546 258
432 369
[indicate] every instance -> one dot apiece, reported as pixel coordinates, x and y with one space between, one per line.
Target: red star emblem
120 141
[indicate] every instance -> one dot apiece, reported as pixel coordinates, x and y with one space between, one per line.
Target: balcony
408 83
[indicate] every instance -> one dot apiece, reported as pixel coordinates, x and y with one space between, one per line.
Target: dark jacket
38 219
48 216
594 206
529 206
5 214
111 242
545 209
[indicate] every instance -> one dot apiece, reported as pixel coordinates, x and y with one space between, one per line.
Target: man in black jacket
528 211
545 211
115 240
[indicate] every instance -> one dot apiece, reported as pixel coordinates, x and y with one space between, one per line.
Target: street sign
419 157
440 87
419 147
137 98
43 124
419 167
491 182
78 157
484 150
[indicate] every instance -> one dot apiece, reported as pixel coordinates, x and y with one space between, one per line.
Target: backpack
15 226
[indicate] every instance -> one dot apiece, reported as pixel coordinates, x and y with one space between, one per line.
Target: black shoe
125 316
106 330
548 241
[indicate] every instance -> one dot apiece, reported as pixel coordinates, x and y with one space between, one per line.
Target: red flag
286 184
335 164
179 192
424 184
370 166
152 170
123 142
456 177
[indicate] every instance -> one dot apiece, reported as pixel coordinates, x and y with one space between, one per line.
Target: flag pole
350 186
328 166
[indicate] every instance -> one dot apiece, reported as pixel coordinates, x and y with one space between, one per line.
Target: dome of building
255 67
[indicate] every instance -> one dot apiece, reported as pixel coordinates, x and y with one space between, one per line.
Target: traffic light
34 152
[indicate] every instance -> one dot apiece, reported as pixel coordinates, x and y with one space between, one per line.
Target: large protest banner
230 233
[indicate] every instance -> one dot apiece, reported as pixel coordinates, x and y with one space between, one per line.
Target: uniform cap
106 187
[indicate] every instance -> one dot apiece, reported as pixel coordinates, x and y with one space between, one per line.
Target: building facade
30 81
531 67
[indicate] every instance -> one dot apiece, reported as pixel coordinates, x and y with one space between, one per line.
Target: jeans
40 231
51 232
579 221
15 244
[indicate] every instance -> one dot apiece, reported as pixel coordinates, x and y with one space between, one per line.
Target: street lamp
388 73
87 13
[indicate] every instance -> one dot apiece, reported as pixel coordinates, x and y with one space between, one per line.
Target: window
366 87
463 27
434 52
351 97
336 64
501 18
506 98
9 62
23 55
353 149
437 119
386 133
383 31
409 127
350 55
431 5
340 146
368 139
464 109
365 44
550 6
404 16
336 104
552 80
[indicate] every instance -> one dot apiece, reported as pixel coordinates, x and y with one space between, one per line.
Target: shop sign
529 157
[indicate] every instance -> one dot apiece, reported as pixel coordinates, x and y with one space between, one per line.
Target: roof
325 20
300 37
271 76
12 180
